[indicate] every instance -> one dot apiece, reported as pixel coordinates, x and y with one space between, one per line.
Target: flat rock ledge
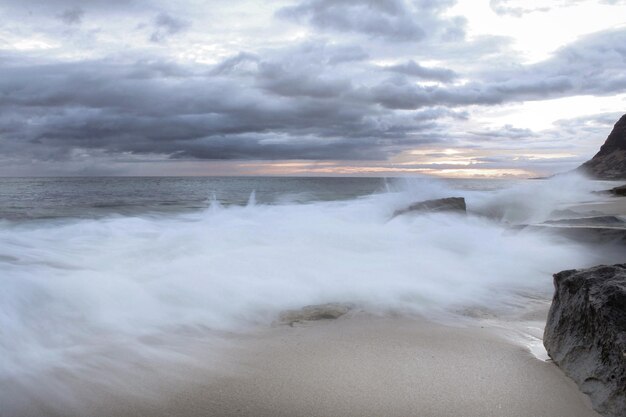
328 311
585 333
449 204
619 191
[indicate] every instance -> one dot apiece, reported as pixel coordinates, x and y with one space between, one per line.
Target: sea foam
70 287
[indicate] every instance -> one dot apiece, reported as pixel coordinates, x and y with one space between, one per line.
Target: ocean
94 265
97 197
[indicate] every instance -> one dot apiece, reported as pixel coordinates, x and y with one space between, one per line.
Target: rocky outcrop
585 333
610 162
620 191
453 204
315 312
594 230
585 234
589 221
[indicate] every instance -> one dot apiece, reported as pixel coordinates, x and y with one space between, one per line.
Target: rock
589 221
455 204
610 162
585 234
315 312
568 213
585 333
621 190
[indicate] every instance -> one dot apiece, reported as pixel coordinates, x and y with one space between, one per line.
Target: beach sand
356 366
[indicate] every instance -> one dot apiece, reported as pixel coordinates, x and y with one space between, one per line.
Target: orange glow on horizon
338 169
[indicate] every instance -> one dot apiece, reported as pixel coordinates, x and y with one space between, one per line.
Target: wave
68 288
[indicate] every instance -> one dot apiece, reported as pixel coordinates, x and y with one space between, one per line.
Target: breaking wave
70 287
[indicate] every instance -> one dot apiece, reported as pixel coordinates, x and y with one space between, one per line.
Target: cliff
610 162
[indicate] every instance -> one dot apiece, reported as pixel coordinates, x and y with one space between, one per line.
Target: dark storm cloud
316 99
50 110
396 20
414 69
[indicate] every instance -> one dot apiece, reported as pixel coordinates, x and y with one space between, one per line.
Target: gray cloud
593 65
69 4
50 110
70 8
507 131
278 104
396 20
328 96
414 69
399 94
166 26
72 16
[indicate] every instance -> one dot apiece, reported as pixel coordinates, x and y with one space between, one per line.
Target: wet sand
356 366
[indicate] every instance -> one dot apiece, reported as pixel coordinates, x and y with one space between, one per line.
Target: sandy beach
353 366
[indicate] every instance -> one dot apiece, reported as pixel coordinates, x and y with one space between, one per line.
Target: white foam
70 287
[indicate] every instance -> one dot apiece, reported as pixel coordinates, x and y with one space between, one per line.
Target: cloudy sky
308 87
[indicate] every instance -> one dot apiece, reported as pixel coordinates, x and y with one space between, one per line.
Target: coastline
486 359
358 365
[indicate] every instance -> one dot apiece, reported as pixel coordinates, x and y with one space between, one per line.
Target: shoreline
356 365
482 360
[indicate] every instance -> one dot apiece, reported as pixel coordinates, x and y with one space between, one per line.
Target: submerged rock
435 206
315 312
585 333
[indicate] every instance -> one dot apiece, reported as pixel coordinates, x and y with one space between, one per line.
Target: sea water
90 264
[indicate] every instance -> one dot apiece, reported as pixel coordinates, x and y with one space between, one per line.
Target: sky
467 88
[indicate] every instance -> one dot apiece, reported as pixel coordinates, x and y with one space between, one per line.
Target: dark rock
568 213
621 190
585 333
585 234
610 161
589 221
315 312
454 204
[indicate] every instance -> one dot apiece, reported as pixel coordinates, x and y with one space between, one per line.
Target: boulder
453 204
585 333
610 162
621 190
315 312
